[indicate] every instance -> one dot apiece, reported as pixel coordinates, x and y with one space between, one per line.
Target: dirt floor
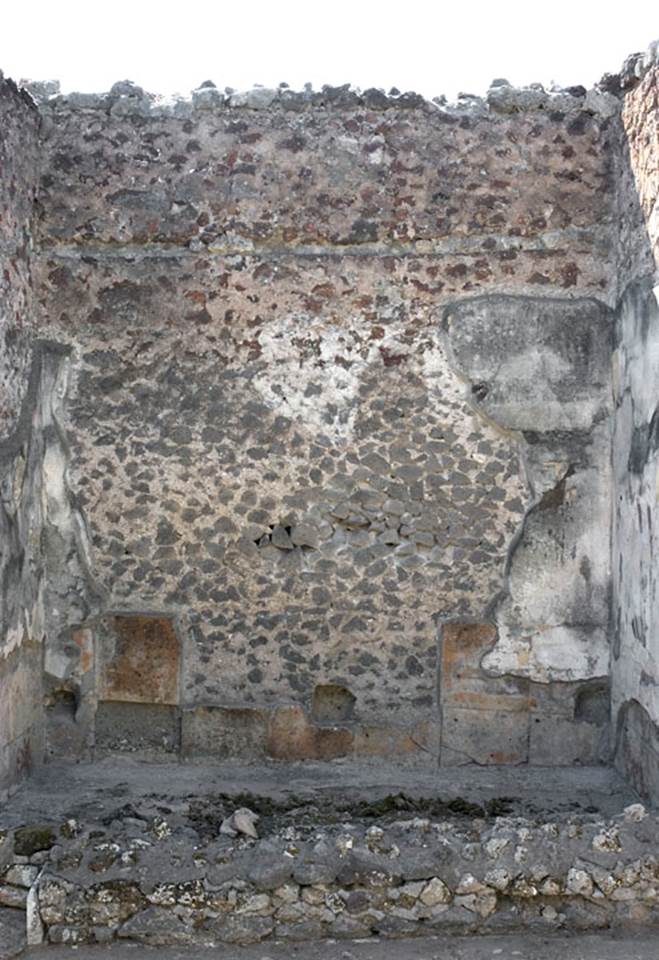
319 792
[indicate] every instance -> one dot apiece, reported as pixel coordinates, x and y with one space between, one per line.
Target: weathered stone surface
29 840
301 524
12 933
139 659
137 727
328 375
477 736
463 684
339 869
156 926
224 732
292 736
634 673
12 896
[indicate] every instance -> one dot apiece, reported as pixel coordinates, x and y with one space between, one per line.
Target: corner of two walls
635 560
42 535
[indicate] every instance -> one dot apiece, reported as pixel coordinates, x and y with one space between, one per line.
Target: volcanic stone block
483 737
139 659
235 733
138 727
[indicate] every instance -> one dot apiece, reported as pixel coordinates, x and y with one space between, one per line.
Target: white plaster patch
325 394
557 653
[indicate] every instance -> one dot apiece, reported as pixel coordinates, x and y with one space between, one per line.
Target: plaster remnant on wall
635 464
26 510
540 367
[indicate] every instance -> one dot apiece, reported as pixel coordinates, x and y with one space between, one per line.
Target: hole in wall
332 703
62 704
279 536
480 391
592 704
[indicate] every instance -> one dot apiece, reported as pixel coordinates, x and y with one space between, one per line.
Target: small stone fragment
634 813
435 892
242 821
22 874
579 883
13 896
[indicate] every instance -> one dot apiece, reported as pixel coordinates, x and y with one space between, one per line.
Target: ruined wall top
502 97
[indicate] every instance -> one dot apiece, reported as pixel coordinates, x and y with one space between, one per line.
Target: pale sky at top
431 47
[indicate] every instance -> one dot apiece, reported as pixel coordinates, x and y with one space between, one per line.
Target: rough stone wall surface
290 432
635 675
21 615
161 879
23 518
19 172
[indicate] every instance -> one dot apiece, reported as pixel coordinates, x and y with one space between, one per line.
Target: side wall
21 608
635 662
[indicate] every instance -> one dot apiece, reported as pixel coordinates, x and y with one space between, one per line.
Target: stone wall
635 673
20 605
19 172
168 875
315 457
341 379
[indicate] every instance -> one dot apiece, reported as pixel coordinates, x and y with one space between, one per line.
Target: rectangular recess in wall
139 659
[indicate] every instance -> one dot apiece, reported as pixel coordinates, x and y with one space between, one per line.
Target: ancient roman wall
19 121
338 419
635 670
21 619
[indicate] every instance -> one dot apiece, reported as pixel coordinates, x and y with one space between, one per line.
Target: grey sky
431 47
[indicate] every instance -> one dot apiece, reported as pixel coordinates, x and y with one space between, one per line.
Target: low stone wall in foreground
211 871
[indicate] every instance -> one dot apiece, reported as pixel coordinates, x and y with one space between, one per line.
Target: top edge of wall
126 97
